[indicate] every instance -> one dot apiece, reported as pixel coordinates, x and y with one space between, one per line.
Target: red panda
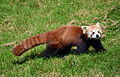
61 40
94 34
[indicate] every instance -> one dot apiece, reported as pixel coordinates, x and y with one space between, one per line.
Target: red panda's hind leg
51 50
64 51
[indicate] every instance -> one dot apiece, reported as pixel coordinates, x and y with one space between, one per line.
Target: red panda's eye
98 31
93 32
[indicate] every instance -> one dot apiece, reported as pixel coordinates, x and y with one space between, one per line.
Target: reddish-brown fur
59 38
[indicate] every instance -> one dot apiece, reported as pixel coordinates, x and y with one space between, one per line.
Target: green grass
20 19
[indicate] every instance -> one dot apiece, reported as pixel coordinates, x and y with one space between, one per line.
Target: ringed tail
29 43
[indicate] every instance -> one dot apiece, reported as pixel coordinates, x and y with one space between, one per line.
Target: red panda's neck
85 34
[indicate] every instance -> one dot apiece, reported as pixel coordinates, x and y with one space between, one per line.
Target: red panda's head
93 31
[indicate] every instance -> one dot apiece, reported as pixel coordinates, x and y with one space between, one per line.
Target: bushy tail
29 43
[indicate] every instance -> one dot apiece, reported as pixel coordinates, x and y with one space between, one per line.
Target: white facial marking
94 34
89 34
94 31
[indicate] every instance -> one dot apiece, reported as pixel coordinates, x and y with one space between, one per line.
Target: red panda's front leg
82 47
97 45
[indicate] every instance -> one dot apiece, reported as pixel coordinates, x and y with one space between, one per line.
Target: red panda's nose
97 36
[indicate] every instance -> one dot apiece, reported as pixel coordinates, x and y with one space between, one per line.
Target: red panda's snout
97 36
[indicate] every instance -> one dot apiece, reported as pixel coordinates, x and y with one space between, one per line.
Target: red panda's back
72 34
56 35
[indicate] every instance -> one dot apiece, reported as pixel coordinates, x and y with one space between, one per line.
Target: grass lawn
20 19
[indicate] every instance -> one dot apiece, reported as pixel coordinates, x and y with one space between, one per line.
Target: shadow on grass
37 55
28 57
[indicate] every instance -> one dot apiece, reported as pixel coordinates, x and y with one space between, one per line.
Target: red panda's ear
84 27
97 24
